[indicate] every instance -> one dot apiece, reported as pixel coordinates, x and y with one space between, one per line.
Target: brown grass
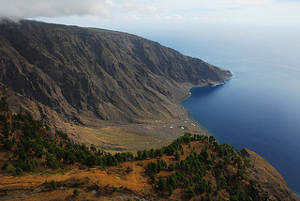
133 137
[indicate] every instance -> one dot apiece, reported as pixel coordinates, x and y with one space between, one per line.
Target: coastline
296 194
209 84
214 84
165 130
189 94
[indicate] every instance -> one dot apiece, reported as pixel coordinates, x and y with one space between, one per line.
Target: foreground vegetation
214 172
30 145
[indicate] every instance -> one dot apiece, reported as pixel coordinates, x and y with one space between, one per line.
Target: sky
265 31
118 14
185 25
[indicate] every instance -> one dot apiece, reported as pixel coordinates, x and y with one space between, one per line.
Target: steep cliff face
193 167
71 74
272 184
85 73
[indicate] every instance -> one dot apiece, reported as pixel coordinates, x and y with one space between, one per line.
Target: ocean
259 108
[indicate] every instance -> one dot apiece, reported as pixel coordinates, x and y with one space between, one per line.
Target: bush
53 184
162 185
76 192
19 171
171 167
114 188
189 193
51 162
10 169
177 156
3 104
128 169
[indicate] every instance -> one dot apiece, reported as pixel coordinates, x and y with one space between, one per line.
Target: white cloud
61 8
233 11
157 11
54 8
138 7
174 17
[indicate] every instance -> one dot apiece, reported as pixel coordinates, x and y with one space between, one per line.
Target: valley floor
115 136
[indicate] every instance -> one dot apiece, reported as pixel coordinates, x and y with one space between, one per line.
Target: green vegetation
76 192
203 173
195 174
3 104
31 145
53 185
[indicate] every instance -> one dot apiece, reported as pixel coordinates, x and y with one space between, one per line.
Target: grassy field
133 137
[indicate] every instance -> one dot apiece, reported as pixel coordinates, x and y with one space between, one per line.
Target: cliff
86 73
43 165
76 79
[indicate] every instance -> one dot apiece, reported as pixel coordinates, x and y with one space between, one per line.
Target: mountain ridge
82 78
192 166
59 58
92 80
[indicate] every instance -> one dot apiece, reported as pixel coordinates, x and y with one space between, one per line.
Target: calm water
258 108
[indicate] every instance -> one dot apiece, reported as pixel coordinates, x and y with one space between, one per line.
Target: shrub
177 156
53 184
76 192
10 169
171 167
3 104
114 188
128 169
162 185
189 193
19 171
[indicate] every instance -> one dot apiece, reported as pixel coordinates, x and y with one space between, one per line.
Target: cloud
138 7
54 8
61 8
17 9
155 12
174 17
284 12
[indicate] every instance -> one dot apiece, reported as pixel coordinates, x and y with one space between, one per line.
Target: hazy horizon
249 37
175 23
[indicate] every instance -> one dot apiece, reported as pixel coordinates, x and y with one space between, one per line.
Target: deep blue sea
259 108
255 110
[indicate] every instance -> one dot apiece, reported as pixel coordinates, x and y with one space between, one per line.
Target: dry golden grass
133 182
116 183
129 184
133 137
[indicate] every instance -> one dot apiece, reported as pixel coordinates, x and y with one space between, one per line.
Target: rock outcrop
272 185
84 73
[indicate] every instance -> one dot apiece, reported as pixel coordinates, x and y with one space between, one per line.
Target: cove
258 109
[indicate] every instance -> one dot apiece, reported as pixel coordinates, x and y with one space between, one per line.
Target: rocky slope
193 167
42 165
268 177
62 74
84 73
